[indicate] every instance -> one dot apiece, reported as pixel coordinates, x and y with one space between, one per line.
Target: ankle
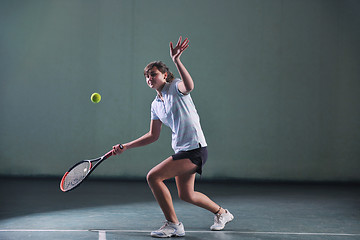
174 222
220 211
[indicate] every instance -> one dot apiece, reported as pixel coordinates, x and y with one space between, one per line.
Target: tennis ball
95 97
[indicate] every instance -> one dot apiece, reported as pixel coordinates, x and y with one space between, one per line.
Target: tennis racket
80 171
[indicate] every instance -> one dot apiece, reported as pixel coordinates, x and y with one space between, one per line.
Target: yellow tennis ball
95 97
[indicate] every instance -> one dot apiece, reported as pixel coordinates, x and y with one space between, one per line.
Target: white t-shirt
178 112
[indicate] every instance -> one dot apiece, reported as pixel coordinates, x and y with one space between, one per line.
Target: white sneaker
220 220
169 229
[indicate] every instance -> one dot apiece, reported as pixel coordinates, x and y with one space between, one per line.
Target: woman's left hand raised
180 47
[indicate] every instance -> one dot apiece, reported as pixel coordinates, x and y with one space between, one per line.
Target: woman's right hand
118 149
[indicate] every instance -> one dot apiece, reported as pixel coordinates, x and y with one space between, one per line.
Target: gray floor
37 209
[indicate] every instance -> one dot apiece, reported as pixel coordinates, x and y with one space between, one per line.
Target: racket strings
76 175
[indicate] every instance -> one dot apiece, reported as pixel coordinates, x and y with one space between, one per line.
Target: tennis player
174 107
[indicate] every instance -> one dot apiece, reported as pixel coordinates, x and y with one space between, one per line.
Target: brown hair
162 68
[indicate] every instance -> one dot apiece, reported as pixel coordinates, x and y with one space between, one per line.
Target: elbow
188 89
185 87
153 137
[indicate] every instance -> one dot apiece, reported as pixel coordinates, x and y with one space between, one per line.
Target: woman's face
155 79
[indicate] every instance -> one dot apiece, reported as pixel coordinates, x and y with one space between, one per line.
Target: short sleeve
153 113
176 87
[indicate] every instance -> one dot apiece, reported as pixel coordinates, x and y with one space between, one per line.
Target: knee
149 177
152 177
186 196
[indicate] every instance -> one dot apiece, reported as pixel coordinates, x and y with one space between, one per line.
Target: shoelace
166 223
218 218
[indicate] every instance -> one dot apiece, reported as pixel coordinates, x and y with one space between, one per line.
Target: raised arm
187 84
149 137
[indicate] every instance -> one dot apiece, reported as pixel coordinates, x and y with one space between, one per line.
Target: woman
174 107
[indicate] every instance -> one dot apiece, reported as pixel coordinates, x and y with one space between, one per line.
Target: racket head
79 172
75 175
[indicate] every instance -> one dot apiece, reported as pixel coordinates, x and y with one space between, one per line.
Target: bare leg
166 170
184 173
185 186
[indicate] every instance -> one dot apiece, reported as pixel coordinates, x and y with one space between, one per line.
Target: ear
165 75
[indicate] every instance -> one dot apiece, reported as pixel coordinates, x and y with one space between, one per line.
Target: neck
160 89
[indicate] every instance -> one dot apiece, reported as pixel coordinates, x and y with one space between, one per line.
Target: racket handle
110 153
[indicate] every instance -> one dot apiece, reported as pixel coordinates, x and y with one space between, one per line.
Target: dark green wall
277 85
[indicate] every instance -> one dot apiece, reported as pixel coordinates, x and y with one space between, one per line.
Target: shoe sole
172 235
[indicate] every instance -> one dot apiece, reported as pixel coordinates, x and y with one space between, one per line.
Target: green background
277 85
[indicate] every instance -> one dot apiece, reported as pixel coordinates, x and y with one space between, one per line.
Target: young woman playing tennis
174 107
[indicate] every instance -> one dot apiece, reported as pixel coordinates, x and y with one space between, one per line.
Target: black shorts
198 156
